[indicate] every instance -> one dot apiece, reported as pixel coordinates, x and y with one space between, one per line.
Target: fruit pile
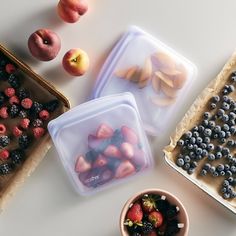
209 147
166 77
152 215
112 154
21 119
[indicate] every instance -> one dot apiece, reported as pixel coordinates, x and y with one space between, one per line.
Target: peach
44 44
76 62
71 10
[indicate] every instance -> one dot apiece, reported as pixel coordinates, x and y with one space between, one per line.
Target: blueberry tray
211 182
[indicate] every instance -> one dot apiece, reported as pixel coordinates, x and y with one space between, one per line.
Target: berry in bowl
154 212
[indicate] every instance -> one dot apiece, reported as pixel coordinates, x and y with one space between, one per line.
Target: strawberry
156 218
24 123
129 135
44 115
3 112
4 154
112 151
82 165
100 161
124 169
14 100
9 92
38 132
16 131
127 150
104 131
3 129
139 158
148 203
135 213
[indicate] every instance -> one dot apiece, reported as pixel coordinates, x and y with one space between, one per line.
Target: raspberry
24 141
24 123
44 115
37 123
14 110
4 154
2 129
16 131
4 141
14 100
26 103
9 92
38 132
10 68
3 112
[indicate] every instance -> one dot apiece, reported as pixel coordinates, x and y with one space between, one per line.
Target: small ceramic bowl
182 216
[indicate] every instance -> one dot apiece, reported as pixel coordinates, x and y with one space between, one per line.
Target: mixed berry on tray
152 215
209 147
22 119
112 154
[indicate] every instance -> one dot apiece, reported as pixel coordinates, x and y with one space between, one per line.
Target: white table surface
203 31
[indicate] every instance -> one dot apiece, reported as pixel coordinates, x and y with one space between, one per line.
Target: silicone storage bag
101 142
155 74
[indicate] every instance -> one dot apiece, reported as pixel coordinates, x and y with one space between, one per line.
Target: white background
203 31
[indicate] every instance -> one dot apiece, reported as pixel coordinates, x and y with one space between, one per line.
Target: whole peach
44 44
71 10
76 62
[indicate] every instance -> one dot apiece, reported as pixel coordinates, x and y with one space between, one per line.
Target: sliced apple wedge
168 91
156 81
163 102
165 78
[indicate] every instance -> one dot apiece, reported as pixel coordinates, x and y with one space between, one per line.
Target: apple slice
164 78
163 102
168 91
156 83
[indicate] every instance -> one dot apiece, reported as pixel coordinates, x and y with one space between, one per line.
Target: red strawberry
38 132
129 135
112 151
3 112
127 150
124 169
4 154
14 100
135 213
3 129
10 68
139 158
100 161
16 131
148 203
104 131
156 218
82 165
24 123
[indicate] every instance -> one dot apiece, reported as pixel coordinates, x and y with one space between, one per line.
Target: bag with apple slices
98 145
157 76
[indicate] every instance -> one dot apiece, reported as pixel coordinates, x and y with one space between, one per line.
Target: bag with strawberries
157 76
101 142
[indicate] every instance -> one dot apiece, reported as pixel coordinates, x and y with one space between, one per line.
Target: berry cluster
213 141
153 215
28 117
112 154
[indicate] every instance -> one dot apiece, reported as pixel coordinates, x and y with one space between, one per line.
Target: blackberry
172 228
23 114
2 98
117 138
4 141
24 141
147 227
6 168
14 81
162 205
36 108
23 93
51 106
172 212
37 123
17 156
14 110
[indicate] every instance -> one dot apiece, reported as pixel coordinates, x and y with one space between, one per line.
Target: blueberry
215 174
207 166
203 172
231 122
216 98
225 127
207 140
187 159
190 146
220 167
192 155
211 157
199 151
206 115
226 195
180 162
186 166
232 130
223 140
229 173
223 190
192 140
233 78
227 134
195 128
225 151
203 145
230 143
188 134
222 173
233 195
181 142
220 112
233 169
217 129
225 92
190 171
201 128
225 106
225 183
222 134
226 167
205 123
195 134
210 146
215 136
204 152
212 106
207 132
218 155
199 140
231 88
230 179
199 157
211 124
232 116
219 148
212 169
225 118
193 164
